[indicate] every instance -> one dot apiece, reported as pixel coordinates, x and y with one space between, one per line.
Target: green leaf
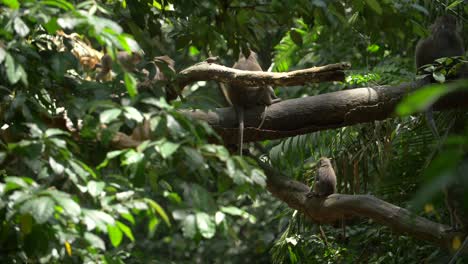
374 4
439 77
296 37
132 157
14 71
133 113
454 4
159 210
94 241
419 100
129 217
166 148
95 218
115 235
205 225
20 27
373 48
95 188
52 132
60 4
26 224
109 115
13 4
41 208
130 84
189 226
70 207
126 230
56 167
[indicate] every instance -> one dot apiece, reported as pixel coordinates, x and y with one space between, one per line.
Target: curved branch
314 113
338 206
205 71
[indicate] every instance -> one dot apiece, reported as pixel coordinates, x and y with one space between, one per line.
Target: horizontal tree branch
338 206
314 113
205 71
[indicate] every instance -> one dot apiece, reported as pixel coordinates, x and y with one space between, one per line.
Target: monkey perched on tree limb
325 180
444 41
241 96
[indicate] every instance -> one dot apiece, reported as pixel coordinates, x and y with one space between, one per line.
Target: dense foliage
68 195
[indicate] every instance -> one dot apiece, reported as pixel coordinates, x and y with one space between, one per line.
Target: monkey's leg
324 237
263 117
240 119
431 123
459 251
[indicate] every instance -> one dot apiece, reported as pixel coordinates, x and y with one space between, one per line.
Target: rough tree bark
337 206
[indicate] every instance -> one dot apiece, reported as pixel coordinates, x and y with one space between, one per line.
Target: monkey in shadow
444 41
242 96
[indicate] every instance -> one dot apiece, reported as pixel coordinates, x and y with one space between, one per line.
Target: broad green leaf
13 4
95 218
166 148
374 4
205 225
189 227
109 115
94 241
419 100
41 208
130 84
52 132
126 230
95 188
133 113
115 235
129 217
70 207
26 223
20 27
56 167
132 157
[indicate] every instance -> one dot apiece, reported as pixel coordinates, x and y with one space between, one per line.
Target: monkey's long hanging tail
240 119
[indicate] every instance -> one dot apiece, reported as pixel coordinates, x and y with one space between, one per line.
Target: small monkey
127 61
444 41
242 96
325 180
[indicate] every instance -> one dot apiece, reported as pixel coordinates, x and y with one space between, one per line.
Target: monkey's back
244 95
442 43
325 182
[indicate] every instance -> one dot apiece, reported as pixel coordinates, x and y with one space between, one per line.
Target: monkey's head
324 162
444 23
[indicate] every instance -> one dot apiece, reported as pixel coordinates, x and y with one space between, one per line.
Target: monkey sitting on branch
325 179
242 96
444 41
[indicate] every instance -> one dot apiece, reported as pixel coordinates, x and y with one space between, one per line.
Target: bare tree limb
205 71
314 113
338 206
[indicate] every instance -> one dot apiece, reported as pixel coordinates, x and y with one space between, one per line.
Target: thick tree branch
314 113
205 71
338 206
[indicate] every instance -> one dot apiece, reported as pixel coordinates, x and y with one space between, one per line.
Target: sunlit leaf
41 208
115 235
109 115
205 225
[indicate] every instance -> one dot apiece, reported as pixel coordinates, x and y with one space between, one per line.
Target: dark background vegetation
180 198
